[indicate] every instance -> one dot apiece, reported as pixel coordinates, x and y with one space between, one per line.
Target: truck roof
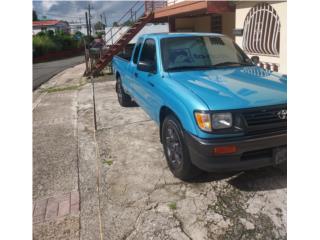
178 34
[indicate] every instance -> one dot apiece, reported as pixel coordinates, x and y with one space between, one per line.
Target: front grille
263 120
263 116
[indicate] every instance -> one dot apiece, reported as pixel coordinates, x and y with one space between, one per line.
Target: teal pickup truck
216 110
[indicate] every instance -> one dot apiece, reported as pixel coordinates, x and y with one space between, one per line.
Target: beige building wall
228 24
243 8
193 24
203 24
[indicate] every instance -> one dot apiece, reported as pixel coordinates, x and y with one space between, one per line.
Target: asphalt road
42 72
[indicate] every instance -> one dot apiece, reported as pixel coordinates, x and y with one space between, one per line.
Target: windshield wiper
188 67
232 63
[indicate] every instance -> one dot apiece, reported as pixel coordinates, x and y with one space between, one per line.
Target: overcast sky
75 10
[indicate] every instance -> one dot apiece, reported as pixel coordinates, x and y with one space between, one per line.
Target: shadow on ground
268 178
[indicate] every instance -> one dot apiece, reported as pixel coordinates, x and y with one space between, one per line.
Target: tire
123 98
176 151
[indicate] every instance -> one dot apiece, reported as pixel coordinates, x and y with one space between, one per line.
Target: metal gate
261 33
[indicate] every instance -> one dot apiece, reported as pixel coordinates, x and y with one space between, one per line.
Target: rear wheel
123 98
176 151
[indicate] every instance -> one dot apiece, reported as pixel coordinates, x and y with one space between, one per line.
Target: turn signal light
224 150
203 121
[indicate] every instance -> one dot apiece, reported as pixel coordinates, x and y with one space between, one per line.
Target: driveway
140 198
42 72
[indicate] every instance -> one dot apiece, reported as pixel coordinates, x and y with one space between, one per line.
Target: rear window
136 52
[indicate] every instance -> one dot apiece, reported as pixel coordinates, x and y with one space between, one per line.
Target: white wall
149 28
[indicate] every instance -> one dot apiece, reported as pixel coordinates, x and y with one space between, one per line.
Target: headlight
221 120
203 120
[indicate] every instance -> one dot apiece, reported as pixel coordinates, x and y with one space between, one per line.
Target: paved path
42 72
56 202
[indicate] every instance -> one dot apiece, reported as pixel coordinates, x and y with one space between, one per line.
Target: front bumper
252 152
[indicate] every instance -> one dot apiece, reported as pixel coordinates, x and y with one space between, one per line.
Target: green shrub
46 42
43 45
41 34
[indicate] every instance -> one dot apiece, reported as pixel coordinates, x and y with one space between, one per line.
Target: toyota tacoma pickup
216 110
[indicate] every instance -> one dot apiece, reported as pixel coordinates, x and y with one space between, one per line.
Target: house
196 16
46 25
259 28
78 27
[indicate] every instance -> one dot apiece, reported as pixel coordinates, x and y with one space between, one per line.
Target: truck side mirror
146 66
255 59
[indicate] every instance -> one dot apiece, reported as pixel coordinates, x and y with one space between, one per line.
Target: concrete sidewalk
58 175
55 158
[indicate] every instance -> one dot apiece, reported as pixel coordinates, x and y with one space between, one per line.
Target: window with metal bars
261 32
216 23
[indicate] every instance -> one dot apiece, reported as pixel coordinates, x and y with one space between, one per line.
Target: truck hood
235 87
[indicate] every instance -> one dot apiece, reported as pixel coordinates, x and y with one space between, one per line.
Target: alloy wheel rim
173 147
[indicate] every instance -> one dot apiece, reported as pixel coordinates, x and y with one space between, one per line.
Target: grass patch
51 90
109 162
172 205
60 89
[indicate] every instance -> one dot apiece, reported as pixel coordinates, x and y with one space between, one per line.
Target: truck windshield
200 52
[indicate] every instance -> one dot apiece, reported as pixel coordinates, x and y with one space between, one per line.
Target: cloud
75 10
46 5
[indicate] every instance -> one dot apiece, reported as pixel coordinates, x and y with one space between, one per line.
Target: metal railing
151 6
131 15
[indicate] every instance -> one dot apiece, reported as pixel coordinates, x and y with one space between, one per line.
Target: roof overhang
192 8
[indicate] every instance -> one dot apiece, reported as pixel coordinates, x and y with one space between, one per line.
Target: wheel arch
165 111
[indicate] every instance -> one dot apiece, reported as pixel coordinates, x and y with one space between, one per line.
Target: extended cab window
136 52
148 53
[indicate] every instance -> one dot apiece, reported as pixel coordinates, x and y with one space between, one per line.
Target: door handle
136 74
151 84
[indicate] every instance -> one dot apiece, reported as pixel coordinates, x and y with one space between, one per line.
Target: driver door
146 79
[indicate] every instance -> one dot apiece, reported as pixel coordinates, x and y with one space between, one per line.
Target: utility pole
105 19
89 8
105 25
87 24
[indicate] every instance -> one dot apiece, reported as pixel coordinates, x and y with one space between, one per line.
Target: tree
99 26
34 16
115 24
128 23
50 33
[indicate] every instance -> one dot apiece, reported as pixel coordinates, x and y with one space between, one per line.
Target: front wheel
176 151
